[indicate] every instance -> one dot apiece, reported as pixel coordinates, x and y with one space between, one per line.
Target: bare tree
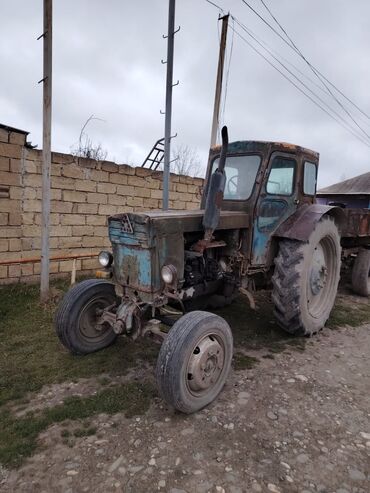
86 147
186 161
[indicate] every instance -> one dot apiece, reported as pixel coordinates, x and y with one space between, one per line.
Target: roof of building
358 185
13 129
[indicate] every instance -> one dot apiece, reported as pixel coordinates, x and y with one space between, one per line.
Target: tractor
258 227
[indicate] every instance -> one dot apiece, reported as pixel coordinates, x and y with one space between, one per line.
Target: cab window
309 178
281 177
241 172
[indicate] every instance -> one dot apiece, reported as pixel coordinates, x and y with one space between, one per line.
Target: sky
107 63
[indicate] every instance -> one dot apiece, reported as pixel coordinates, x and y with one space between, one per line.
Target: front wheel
77 317
194 361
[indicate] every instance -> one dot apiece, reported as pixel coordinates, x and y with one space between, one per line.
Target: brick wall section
84 193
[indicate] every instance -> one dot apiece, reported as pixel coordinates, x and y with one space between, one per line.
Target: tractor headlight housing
169 274
105 259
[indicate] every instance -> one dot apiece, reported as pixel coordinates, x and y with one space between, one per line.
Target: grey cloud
107 63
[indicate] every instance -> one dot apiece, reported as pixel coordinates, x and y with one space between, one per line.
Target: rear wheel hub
319 271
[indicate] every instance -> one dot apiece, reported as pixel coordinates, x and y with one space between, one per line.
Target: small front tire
194 361
77 316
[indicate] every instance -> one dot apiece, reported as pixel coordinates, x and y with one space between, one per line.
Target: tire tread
62 322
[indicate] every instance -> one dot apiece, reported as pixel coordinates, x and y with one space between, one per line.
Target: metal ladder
155 156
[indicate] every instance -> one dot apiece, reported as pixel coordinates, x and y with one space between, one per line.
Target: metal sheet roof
358 185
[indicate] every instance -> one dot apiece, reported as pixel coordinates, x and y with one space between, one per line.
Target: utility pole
168 110
46 149
220 72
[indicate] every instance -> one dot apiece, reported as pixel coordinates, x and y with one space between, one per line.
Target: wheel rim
321 277
205 365
89 328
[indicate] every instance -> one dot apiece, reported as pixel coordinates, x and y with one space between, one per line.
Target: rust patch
357 223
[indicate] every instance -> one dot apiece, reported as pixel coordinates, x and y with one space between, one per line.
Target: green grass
257 329
18 436
346 313
32 356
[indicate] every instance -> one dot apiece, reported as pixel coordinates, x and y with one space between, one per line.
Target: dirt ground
297 421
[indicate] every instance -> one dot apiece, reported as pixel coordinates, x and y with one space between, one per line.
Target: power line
298 51
314 70
300 89
291 46
215 5
317 73
342 122
313 82
296 77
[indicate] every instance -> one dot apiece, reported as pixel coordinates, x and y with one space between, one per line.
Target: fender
300 225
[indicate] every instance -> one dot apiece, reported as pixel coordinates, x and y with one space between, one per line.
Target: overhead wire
315 71
303 74
345 124
293 45
358 136
215 5
348 126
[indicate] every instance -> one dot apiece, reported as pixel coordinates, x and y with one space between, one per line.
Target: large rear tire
361 273
306 278
77 316
194 361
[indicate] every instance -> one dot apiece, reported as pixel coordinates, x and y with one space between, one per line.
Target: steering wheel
233 182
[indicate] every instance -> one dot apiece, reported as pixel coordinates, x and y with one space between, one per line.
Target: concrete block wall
84 193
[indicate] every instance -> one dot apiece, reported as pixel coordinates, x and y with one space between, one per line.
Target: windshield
241 172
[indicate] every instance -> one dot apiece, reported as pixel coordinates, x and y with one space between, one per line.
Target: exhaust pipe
215 194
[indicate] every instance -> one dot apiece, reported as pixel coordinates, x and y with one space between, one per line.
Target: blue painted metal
272 209
139 255
264 227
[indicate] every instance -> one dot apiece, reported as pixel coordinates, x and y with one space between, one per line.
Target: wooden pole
46 150
220 71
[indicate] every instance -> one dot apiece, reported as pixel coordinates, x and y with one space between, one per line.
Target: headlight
105 259
168 273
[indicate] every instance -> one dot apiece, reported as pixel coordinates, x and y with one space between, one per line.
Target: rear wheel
361 273
194 361
305 280
77 317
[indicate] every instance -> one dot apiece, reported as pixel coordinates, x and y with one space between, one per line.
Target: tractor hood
172 221
143 242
